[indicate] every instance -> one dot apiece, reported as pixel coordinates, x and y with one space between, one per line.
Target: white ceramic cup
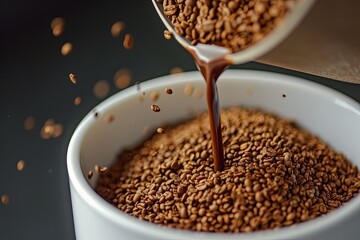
332 116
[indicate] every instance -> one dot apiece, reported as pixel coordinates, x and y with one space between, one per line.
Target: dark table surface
34 82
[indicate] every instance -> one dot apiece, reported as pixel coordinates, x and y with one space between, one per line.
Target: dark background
34 82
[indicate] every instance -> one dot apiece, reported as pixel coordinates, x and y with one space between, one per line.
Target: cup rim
89 196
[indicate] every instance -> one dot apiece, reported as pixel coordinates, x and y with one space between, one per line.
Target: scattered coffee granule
167 34
101 89
188 90
176 70
77 101
160 130
29 123
66 49
72 78
154 96
168 90
128 41
20 165
5 199
57 130
90 174
284 95
116 29
122 78
275 175
234 24
99 169
57 26
47 129
155 108
51 129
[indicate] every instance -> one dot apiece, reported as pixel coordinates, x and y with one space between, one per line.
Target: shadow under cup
330 115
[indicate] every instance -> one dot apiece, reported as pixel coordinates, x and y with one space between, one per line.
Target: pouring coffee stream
212 60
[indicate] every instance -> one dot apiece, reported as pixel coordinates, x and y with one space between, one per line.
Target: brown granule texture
235 24
276 175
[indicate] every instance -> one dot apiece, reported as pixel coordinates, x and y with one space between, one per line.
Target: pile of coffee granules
235 24
276 175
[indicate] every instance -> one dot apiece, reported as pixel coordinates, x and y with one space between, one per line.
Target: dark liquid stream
211 72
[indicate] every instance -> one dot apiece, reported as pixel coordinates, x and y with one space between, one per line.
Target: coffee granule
77 101
66 49
128 41
275 175
117 28
73 78
101 89
167 34
160 130
99 169
51 129
5 199
90 174
122 78
168 91
20 165
29 123
57 26
235 24
155 108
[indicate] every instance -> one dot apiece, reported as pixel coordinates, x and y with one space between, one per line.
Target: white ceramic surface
329 114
